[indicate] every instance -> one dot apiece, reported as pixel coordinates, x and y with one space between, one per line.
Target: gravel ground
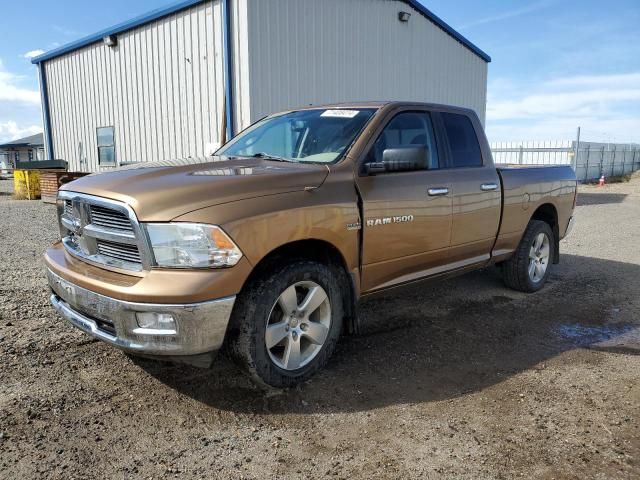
458 379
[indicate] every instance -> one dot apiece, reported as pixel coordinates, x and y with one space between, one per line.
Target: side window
463 142
409 129
106 147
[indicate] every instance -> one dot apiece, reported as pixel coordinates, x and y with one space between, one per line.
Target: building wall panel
311 52
160 87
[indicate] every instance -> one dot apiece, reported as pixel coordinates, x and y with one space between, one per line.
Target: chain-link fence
590 160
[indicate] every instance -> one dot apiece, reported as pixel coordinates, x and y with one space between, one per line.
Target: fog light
156 321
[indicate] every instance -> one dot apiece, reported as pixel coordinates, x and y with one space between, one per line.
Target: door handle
488 187
438 192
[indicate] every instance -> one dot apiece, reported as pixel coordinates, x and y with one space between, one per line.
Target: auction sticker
340 113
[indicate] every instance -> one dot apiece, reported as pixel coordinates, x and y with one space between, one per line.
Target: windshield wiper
267 156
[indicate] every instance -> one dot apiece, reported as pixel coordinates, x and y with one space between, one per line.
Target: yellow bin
26 184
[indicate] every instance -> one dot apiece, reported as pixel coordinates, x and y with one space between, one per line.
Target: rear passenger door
475 190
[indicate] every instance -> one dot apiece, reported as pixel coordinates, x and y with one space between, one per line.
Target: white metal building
175 82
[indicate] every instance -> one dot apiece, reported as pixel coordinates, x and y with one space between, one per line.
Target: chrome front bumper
200 327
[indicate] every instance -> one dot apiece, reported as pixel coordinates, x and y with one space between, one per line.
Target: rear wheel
286 324
529 268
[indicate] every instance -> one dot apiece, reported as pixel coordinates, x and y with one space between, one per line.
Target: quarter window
410 129
463 142
106 146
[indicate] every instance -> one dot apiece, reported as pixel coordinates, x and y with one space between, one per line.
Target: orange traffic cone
601 182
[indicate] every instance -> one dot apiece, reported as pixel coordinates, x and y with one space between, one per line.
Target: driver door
407 214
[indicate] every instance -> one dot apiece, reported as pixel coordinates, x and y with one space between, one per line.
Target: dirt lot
461 379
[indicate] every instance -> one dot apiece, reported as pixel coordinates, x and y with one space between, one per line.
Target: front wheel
286 324
529 268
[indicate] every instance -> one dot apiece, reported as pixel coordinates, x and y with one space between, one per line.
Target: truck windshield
315 136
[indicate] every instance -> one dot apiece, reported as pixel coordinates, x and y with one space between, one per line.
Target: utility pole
577 152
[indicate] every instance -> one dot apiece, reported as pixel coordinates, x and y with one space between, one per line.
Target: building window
106 147
31 155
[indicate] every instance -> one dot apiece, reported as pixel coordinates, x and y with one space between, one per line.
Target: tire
261 307
517 270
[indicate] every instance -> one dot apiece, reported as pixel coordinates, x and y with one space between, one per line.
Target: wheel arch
322 252
548 213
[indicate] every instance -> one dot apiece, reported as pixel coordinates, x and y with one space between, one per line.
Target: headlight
191 245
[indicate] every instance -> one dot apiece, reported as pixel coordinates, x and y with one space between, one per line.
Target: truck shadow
432 342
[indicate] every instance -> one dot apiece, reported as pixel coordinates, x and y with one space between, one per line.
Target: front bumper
200 327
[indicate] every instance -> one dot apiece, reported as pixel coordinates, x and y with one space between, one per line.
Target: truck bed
528 190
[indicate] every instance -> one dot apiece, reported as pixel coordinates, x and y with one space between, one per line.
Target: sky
557 64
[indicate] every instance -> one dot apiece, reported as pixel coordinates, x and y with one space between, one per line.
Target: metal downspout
46 115
228 72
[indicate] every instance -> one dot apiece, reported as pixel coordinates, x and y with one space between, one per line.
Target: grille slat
118 251
107 218
106 221
118 254
68 207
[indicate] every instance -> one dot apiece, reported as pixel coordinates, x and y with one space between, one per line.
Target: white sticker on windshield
340 113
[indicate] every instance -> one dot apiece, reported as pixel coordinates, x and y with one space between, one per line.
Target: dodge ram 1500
268 246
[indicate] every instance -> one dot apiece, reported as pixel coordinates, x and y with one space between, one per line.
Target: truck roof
378 104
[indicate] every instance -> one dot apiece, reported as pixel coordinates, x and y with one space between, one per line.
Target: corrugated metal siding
161 88
310 52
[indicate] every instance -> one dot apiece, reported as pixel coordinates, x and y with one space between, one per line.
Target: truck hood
162 191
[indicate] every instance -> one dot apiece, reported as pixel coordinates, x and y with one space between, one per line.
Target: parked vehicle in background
6 170
268 247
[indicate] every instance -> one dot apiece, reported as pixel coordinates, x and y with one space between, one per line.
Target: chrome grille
103 232
119 251
108 218
68 207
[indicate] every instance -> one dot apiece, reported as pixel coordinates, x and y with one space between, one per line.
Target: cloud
509 14
624 80
12 91
12 131
606 106
33 53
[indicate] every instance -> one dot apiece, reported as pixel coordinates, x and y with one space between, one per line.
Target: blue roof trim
121 27
447 28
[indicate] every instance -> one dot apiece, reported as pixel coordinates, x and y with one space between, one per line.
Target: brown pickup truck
268 246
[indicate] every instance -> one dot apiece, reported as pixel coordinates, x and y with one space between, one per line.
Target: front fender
261 225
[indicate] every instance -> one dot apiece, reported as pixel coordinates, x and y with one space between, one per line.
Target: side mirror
403 159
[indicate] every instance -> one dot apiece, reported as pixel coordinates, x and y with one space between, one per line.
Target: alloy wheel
298 325
539 257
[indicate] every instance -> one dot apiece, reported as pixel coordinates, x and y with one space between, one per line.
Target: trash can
26 184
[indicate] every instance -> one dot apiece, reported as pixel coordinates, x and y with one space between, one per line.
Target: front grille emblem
77 227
